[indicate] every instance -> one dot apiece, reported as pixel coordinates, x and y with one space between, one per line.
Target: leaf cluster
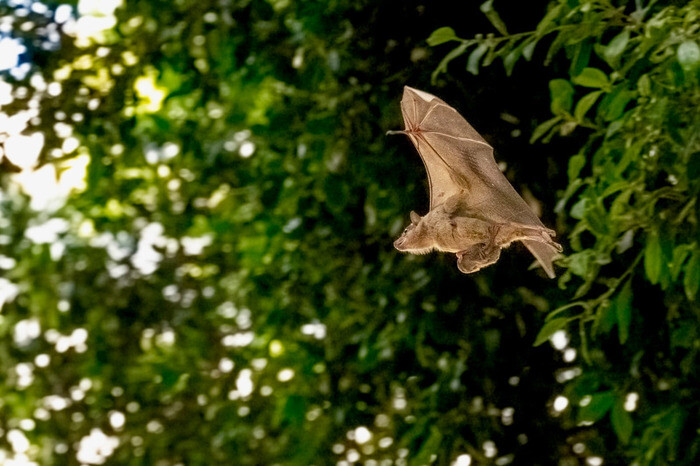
632 87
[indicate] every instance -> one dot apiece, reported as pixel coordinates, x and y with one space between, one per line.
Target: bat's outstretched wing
431 124
459 161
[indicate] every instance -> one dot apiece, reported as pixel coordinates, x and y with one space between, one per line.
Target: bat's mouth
400 244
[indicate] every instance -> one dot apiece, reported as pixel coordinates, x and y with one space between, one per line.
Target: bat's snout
399 243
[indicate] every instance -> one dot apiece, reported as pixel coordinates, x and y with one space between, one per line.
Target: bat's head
415 238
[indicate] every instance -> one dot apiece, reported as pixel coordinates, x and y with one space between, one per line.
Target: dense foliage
197 268
633 88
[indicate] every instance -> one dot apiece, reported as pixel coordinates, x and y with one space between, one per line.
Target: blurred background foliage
198 203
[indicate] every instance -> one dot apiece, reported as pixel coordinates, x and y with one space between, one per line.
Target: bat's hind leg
477 257
507 233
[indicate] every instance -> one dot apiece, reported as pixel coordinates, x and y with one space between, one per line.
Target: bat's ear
415 218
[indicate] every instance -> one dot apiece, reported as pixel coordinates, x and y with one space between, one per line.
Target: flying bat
474 210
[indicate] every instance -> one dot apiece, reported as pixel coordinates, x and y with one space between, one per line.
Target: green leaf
613 127
680 253
442 66
579 209
678 74
607 318
492 15
585 104
543 127
529 49
691 280
429 448
653 257
622 422
474 57
442 35
552 14
597 218
623 311
592 77
510 59
644 85
613 105
580 263
494 50
612 53
562 96
582 55
556 45
688 55
549 329
628 157
598 407
576 163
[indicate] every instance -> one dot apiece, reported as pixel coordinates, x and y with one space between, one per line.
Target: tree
632 205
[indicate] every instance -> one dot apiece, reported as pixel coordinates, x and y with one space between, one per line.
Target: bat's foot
477 257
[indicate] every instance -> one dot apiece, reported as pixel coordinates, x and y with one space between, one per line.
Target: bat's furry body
474 211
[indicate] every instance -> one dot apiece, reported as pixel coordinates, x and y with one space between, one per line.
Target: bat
474 210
